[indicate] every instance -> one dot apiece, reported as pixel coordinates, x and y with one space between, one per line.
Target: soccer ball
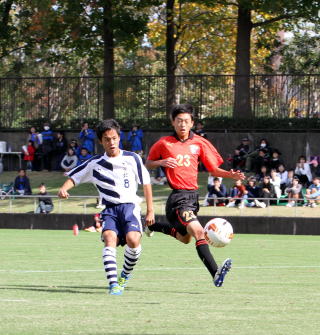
218 232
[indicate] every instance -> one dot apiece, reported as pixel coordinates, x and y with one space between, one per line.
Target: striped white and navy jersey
116 178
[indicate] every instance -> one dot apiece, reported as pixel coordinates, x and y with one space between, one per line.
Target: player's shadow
167 291
55 289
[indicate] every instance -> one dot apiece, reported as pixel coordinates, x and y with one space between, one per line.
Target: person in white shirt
275 180
303 171
116 174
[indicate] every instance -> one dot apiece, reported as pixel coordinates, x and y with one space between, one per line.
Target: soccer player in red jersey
179 156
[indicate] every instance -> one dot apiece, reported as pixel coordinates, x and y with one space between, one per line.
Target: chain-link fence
65 101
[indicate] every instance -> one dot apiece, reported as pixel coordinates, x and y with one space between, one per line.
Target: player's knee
133 239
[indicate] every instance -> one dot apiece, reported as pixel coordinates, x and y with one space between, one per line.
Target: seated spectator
275 180
97 225
303 171
199 129
69 161
250 157
290 177
45 203
313 193
60 147
254 192
216 190
238 159
262 173
84 156
87 137
74 145
28 156
159 178
22 183
315 166
293 192
275 161
267 191
238 194
283 173
262 159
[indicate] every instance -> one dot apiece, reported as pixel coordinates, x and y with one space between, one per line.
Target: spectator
315 166
275 161
34 137
313 193
160 177
60 148
84 156
283 173
216 190
275 180
293 192
37 140
87 137
262 173
238 194
267 190
303 171
22 183
254 192
250 157
74 145
260 160
199 129
45 203
47 146
97 225
135 140
69 161
29 152
239 160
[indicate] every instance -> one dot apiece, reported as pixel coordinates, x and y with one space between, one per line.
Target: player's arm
63 191
147 189
237 175
167 163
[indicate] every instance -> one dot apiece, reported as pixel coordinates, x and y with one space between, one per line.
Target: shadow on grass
87 290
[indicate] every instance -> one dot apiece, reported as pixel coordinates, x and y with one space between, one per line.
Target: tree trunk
170 57
108 63
242 106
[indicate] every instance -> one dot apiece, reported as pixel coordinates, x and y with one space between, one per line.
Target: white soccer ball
218 232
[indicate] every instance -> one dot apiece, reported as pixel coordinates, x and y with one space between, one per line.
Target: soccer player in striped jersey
116 174
179 155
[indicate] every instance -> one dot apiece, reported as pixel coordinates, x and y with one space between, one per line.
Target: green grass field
53 283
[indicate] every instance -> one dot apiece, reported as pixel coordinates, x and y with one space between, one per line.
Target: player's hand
150 220
63 194
237 175
169 163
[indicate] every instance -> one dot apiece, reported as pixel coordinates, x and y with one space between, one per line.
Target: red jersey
188 154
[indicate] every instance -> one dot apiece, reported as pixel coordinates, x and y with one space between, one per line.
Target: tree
269 12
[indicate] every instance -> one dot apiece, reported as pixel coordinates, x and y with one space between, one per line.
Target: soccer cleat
123 280
222 271
115 289
148 232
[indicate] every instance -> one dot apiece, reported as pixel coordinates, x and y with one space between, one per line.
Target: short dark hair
107 125
180 109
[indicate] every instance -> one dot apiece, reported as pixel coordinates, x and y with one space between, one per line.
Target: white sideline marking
173 268
13 300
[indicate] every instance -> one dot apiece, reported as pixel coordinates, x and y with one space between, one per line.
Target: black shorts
182 208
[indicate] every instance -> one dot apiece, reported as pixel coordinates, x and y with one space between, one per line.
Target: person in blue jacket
22 183
87 137
135 137
84 155
47 146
